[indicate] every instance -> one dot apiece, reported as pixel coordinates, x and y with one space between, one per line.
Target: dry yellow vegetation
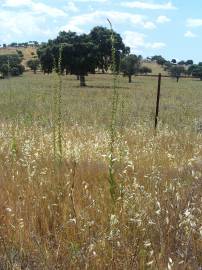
27 52
156 69
59 214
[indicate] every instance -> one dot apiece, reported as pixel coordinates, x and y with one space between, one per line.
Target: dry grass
156 69
61 216
180 105
27 52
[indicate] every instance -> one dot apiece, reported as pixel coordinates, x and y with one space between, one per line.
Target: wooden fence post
158 100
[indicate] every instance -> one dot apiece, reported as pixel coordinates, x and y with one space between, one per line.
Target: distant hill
156 69
28 53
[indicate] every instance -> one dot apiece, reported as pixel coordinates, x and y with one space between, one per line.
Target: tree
176 71
36 43
11 65
130 66
4 70
197 72
145 70
173 61
182 63
13 44
82 60
33 64
159 59
20 68
14 71
19 52
11 59
189 62
46 59
64 38
191 69
81 54
78 55
101 37
167 65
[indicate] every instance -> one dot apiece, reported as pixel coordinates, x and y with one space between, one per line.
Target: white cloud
156 45
194 22
71 6
91 1
190 34
45 9
136 41
162 19
36 7
100 17
149 5
16 3
23 20
13 29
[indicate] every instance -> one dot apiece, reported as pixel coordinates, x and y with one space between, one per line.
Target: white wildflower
113 220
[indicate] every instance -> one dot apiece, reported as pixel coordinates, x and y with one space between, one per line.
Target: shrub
4 69
145 70
14 71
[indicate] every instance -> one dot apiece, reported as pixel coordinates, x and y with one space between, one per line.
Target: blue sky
171 28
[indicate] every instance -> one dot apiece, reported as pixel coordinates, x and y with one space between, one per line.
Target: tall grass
57 113
112 181
66 220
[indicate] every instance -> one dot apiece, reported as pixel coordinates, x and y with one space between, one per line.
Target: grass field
59 213
30 98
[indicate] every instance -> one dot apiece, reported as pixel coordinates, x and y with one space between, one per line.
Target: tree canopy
33 64
159 59
81 54
130 65
195 71
101 37
11 65
176 71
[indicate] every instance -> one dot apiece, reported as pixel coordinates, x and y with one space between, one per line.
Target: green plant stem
112 181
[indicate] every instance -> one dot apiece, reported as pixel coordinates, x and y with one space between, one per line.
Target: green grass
180 104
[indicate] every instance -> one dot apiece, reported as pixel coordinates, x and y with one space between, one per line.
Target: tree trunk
82 81
77 77
129 78
178 77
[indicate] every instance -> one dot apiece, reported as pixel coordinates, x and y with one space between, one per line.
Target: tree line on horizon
79 55
20 44
70 53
